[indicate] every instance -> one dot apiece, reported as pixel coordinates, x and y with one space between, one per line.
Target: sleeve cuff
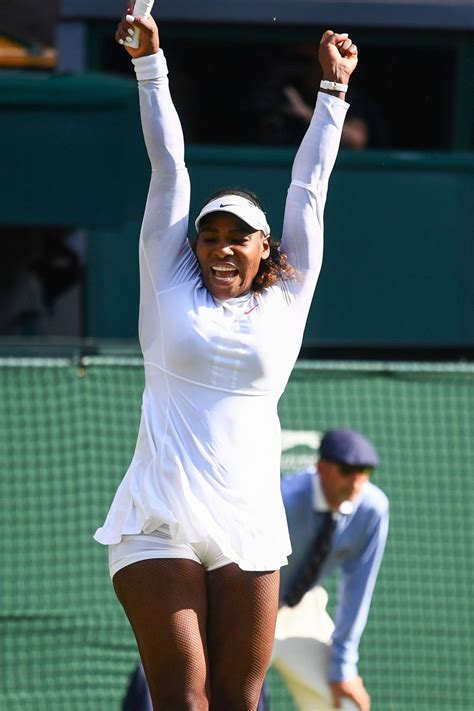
330 99
341 671
153 66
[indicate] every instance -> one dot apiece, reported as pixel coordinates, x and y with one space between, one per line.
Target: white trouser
301 652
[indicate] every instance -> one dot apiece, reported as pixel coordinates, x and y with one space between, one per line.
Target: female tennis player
197 530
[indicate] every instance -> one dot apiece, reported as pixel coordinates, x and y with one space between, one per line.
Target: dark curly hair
276 265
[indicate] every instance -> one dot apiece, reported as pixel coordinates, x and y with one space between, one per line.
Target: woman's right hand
149 38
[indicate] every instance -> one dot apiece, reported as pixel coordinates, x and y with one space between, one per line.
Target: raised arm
163 243
302 238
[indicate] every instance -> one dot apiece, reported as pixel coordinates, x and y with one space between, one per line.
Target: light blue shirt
357 548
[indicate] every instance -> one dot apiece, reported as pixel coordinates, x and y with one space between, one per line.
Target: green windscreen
67 434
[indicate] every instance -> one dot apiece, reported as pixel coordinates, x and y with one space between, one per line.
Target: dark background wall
399 255
445 14
30 20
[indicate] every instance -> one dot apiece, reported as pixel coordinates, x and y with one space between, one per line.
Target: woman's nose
224 249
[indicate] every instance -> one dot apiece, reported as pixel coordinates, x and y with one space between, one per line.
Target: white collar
235 300
320 502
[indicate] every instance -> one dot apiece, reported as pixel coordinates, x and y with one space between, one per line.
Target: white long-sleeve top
207 458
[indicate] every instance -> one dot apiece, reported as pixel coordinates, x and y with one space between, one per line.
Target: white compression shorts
159 544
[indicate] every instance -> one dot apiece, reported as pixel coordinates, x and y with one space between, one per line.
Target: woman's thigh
165 601
242 610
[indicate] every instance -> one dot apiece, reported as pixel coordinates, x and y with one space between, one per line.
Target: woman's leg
242 610
165 601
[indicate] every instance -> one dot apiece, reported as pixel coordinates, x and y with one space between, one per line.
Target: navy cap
348 447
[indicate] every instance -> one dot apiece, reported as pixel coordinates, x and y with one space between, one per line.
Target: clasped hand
337 56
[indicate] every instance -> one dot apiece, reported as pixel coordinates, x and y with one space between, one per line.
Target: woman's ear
266 247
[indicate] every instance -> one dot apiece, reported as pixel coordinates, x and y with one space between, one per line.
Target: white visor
239 206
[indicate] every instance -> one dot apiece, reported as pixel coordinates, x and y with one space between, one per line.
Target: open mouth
224 274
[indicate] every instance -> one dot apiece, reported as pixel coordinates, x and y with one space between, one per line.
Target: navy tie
310 572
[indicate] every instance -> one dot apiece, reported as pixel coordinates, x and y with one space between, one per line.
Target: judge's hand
353 689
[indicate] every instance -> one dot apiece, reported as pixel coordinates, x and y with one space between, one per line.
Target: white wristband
153 66
333 86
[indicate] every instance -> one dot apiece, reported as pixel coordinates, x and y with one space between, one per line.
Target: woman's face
229 253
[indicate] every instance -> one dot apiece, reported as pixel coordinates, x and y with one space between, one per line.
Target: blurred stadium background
388 347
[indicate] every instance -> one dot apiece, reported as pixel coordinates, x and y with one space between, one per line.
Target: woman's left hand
337 56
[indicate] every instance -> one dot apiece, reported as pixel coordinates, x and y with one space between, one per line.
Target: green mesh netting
67 433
